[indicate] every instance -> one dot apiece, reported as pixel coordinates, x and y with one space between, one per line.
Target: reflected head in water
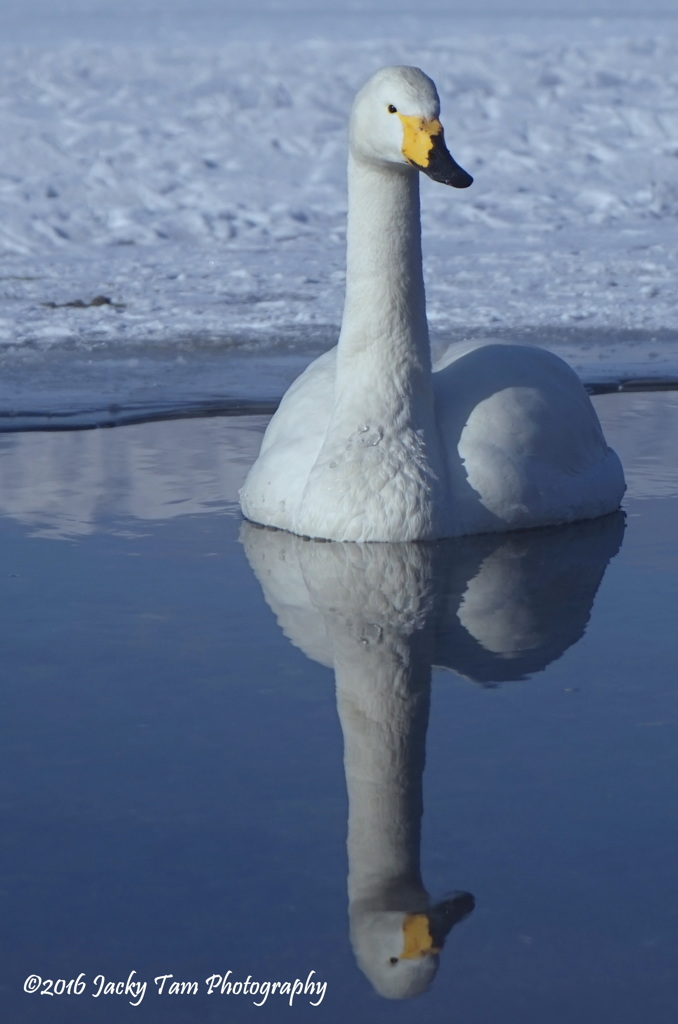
399 951
491 608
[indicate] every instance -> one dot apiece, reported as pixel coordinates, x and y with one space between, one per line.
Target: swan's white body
369 444
490 607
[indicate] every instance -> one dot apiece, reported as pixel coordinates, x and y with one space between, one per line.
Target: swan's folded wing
520 431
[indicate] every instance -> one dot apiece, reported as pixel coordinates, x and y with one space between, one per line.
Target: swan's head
399 952
395 121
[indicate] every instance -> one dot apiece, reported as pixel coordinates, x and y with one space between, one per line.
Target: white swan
492 608
368 443
371 608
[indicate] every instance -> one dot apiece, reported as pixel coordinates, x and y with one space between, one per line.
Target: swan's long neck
384 327
380 474
383 692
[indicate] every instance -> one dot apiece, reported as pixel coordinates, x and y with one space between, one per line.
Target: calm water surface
226 749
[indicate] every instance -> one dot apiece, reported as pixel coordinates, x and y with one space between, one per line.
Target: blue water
178 784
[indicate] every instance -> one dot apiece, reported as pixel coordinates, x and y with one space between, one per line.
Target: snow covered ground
186 161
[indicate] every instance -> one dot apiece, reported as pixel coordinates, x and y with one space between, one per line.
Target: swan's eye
392 109
393 960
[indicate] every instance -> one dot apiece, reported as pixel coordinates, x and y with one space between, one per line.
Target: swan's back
523 444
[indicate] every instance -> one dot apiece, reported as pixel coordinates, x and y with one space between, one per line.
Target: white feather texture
369 444
492 608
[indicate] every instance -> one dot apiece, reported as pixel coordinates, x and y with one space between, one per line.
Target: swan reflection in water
492 608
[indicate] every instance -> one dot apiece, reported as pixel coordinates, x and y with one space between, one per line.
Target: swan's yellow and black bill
424 934
417 938
424 147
